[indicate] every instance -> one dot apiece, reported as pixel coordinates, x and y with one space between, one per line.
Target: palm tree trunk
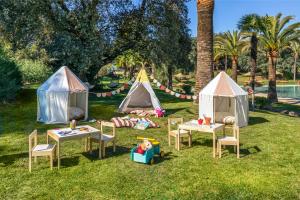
272 93
204 43
253 59
295 66
234 68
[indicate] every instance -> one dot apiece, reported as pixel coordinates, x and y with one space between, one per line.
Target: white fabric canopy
223 97
58 94
140 95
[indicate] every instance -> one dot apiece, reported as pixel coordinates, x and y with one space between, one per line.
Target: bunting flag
176 94
156 82
162 87
114 92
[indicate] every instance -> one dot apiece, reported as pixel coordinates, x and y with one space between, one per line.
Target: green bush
10 79
34 71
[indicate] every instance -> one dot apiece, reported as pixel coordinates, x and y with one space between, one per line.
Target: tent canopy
62 95
140 95
64 80
222 97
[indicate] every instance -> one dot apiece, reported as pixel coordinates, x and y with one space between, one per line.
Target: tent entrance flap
140 98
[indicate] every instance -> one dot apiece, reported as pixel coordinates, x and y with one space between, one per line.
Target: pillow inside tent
76 113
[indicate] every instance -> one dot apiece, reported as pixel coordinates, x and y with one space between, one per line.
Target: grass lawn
269 167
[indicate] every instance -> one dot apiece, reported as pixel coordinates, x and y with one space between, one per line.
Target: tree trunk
204 43
272 93
295 67
170 76
153 70
253 59
234 68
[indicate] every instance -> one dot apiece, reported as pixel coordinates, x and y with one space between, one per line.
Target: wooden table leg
100 149
214 144
86 144
58 154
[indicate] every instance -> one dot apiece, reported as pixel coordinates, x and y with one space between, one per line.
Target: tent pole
214 109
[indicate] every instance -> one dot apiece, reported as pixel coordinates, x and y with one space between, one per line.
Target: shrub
34 71
187 89
10 79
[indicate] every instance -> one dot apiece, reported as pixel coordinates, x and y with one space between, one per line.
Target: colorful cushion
119 122
151 123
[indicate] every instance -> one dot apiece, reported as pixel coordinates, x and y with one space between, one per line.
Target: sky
228 12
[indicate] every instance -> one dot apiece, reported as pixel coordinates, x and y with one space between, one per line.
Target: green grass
268 167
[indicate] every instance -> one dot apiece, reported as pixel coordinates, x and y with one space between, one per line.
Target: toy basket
146 158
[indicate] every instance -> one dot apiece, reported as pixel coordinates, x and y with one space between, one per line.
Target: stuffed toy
140 149
159 112
145 146
148 145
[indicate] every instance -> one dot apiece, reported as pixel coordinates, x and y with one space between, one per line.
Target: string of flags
116 91
158 84
173 93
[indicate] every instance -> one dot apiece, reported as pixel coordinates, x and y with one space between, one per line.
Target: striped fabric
119 122
152 124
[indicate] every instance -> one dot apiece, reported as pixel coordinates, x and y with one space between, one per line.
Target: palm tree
231 44
276 35
205 62
295 48
129 60
252 24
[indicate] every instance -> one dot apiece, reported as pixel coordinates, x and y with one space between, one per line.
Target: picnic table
194 126
67 134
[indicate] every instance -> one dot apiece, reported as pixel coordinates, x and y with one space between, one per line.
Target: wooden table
75 135
194 126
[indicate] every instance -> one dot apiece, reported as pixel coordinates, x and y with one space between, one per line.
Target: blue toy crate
145 158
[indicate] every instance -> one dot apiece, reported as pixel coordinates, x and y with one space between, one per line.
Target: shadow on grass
244 152
201 142
173 111
257 120
94 155
69 161
10 159
167 156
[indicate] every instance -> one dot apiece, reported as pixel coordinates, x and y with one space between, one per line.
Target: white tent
222 97
62 97
140 95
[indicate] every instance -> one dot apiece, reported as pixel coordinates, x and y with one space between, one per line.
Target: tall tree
295 48
252 24
230 44
276 34
205 9
74 33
